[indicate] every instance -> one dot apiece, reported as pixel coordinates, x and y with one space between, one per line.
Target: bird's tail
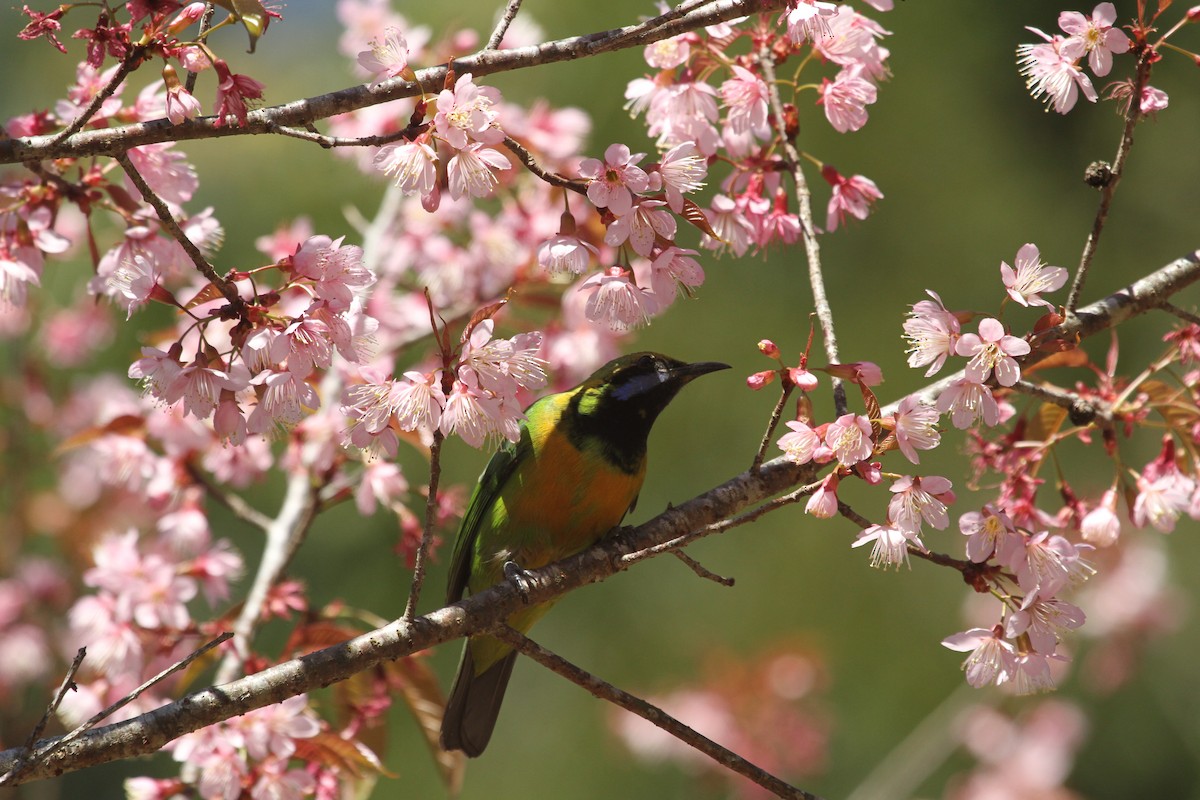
474 703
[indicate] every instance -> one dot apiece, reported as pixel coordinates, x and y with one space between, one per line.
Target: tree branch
1132 117
489 608
812 249
651 713
227 288
300 113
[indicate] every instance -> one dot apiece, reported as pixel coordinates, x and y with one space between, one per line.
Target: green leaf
251 14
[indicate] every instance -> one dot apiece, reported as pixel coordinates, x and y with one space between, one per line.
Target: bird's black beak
688 372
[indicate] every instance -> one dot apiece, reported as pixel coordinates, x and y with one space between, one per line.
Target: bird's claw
519 578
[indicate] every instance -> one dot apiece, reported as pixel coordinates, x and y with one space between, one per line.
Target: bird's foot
519 578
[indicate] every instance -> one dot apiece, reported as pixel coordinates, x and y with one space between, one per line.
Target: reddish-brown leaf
423 695
207 293
695 215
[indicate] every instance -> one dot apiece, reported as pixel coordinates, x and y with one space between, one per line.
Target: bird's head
626 395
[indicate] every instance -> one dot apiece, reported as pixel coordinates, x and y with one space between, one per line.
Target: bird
572 476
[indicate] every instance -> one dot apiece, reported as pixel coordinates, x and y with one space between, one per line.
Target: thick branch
486 610
300 113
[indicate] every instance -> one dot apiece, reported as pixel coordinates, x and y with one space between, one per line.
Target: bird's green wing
495 475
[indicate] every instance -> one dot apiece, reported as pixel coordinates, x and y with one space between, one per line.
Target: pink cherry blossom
166 170
413 163
1161 500
1095 35
565 253
745 96
1049 563
1050 70
674 267
891 545
730 225
1026 282
234 93
615 301
1152 100
1101 526
642 225
853 41
133 282
849 437
181 104
991 658
668 53
305 344
385 59
503 366
932 333
682 171
799 445
809 20
916 499
988 532
272 730
471 414
613 181
470 171
853 196
1044 620
823 504
282 403
968 402
916 427
468 113
992 350
846 98
200 386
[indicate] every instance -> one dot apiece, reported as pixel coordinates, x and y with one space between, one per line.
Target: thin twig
235 503
670 15
68 684
784 394
1082 411
431 507
701 570
812 249
227 288
284 535
1132 117
189 82
340 141
531 164
99 717
1182 313
721 526
651 713
131 62
506 19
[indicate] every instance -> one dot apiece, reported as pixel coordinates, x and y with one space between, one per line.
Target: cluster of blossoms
1053 68
725 113
1017 555
478 397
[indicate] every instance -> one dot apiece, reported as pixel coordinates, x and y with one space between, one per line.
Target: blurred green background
971 168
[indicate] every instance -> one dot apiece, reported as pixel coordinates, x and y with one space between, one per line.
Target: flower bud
185 18
760 379
768 348
802 379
